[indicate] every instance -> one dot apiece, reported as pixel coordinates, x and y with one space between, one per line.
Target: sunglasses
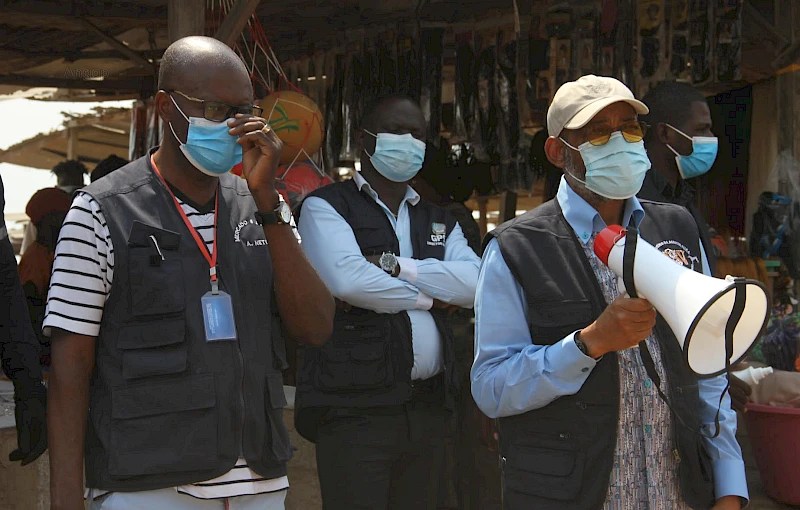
217 111
632 132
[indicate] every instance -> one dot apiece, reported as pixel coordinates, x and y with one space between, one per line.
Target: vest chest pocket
155 271
361 362
153 349
549 322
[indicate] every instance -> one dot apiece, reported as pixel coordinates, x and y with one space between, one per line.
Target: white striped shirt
83 272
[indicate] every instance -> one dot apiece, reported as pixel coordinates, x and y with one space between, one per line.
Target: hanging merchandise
487 114
297 180
297 121
773 234
700 16
349 105
608 31
408 82
728 52
431 52
625 42
333 110
387 75
679 35
586 54
507 114
464 93
651 21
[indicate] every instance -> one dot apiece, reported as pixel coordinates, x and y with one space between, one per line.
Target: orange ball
297 121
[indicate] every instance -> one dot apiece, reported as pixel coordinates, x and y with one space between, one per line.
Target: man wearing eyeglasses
581 421
173 281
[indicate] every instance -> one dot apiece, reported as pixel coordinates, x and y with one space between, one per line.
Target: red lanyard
201 245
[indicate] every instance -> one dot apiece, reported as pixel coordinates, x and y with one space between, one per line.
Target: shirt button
648 429
585 369
647 383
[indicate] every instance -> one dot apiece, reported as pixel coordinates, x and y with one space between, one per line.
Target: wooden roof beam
131 84
751 13
100 10
121 47
235 21
76 55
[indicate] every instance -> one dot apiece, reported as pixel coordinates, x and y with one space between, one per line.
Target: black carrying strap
628 259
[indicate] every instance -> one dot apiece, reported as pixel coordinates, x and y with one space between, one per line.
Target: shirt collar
584 219
412 197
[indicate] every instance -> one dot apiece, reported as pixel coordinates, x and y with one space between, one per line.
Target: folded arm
452 280
511 375
331 247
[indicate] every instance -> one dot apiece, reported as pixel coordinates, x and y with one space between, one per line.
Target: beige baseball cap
577 102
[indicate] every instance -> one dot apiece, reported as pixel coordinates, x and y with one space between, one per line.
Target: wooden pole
235 21
482 211
185 18
72 142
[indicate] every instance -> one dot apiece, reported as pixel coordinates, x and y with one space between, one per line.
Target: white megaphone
696 307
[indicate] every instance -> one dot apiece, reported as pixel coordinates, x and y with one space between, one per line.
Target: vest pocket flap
561 313
140 236
150 399
543 461
145 336
277 397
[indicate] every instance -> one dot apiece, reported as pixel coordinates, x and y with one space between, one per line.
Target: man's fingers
16 455
248 127
634 304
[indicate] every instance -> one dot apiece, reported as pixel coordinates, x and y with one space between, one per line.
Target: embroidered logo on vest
247 231
679 254
438 235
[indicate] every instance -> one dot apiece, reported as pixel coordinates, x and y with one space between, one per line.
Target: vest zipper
241 399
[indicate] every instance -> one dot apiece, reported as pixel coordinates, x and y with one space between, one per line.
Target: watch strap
579 343
267 218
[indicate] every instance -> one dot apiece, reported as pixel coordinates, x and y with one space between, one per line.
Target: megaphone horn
702 311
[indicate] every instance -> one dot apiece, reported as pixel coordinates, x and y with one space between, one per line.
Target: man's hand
261 153
728 503
374 259
31 417
622 325
740 393
441 305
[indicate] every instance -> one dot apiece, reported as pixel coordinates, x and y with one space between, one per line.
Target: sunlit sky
23 119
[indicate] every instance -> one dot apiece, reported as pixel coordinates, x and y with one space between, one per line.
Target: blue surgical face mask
209 147
397 157
704 153
615 170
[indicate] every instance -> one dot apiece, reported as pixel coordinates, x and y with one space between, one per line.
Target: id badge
218 317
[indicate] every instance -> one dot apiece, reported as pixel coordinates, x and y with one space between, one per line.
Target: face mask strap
178 107
678 131
367 131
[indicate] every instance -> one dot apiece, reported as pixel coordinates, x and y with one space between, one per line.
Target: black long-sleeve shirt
19 346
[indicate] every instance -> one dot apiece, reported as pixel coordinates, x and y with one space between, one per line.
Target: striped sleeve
82 270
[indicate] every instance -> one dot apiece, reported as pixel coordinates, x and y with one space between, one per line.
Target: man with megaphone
587 421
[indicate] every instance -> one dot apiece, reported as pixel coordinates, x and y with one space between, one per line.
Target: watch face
388 262
284 212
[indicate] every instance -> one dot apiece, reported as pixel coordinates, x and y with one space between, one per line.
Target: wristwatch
389 264
580 345
281 215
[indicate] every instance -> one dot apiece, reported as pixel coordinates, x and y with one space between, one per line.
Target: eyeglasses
217 111
632 132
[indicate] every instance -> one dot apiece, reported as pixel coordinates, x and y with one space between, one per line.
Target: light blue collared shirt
513 375
331 247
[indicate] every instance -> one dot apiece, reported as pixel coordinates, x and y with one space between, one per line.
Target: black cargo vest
168 408
368 360
561 456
